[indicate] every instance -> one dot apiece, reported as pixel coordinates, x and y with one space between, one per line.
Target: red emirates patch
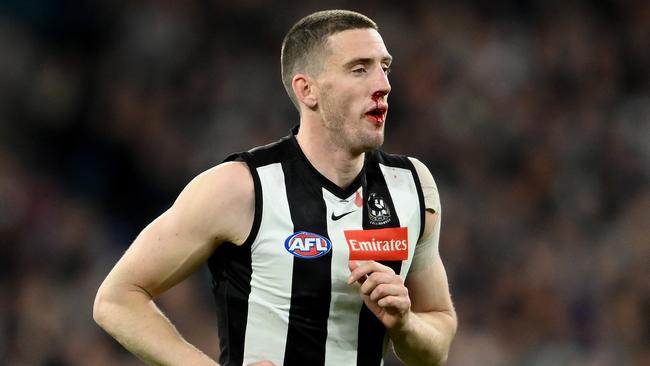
378 244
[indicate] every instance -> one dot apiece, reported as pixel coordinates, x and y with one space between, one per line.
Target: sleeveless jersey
283 294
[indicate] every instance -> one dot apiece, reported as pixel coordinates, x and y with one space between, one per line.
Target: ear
303 88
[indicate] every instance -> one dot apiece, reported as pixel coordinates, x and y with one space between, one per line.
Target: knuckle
375 296
366 289
371 281
381 289
399 279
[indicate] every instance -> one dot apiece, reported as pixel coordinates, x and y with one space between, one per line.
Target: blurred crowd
534 117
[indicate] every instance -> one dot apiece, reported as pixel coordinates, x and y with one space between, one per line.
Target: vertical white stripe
272 270
345 304
403 191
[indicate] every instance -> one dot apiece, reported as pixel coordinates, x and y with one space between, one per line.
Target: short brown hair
308 38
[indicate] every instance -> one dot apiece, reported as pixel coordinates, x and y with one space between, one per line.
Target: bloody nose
378 94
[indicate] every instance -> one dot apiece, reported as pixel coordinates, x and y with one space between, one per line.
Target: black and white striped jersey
283 295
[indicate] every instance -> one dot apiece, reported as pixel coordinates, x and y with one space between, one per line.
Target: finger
365 269
353 265
377 278
386 290
400 304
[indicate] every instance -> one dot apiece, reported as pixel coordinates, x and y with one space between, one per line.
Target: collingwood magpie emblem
378 211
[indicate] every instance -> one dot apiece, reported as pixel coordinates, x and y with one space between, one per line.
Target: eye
386 69
359 70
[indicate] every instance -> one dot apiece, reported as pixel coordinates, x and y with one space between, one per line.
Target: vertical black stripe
231 270
371 331
311 282
418 187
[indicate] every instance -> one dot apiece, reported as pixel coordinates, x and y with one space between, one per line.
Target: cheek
350 103
342 103
338 101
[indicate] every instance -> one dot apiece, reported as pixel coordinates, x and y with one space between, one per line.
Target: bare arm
418 314
216 206
425 335
429 332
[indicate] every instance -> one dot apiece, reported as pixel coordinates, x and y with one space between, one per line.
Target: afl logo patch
307 245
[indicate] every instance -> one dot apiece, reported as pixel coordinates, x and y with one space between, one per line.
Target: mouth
377 114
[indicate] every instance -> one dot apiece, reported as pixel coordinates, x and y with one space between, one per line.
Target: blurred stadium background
534 117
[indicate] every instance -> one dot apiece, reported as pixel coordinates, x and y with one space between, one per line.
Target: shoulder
428 184
231 176
419 168
220 200
267 154
228 184
393 160
424 174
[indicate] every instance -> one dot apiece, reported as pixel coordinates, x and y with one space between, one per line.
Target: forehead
356 43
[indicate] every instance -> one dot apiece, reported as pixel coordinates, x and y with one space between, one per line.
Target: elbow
447 336
440 358
454 325
108 305
101 314
443 359
115 302
453 328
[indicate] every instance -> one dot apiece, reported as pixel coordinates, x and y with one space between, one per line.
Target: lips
378 113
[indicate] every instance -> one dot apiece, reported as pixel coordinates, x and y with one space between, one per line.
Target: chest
308 234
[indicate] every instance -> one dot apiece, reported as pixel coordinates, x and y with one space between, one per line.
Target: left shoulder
393 160
424 174
407 162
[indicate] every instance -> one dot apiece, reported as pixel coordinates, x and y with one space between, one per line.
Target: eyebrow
367 60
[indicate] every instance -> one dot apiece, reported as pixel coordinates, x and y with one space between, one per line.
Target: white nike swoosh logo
336 217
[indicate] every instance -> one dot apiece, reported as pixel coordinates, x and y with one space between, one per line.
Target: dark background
534 117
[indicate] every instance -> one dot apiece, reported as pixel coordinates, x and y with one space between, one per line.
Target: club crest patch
378 211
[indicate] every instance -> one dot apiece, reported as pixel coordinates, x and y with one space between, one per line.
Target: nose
381 86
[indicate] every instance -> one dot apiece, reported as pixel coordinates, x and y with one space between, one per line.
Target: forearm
425 338
135 321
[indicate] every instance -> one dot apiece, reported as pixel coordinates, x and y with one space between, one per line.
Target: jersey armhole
418 187
246 158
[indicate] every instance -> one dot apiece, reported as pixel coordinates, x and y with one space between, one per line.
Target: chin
379 140
373 142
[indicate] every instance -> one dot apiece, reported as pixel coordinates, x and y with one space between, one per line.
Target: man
321 246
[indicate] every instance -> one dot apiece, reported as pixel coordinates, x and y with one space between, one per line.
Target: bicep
429 289
162 255
427 284
176 243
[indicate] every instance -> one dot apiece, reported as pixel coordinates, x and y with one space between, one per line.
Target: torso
283 295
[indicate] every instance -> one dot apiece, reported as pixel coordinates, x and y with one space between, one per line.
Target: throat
340 171
336 165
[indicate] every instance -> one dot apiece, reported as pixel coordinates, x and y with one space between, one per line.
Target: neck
334 163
